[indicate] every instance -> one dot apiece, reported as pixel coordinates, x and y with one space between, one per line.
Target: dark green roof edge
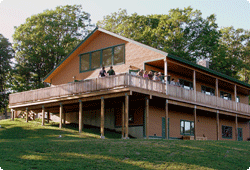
70 54
208 70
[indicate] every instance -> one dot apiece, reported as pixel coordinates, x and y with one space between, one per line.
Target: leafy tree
183 33
6 54
232 56
44 40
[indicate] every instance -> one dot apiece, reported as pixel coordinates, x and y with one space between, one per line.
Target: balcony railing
122 80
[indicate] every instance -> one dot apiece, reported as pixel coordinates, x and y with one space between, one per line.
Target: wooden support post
43 113
48 116
126 115
195 123
194 84
216 90
217 125
13 114
123 119
61 112
166 120
147 116
236 127
27 115
166 74
64 118
80 116
235 96
102 118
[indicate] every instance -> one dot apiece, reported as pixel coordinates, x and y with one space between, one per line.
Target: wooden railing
122 80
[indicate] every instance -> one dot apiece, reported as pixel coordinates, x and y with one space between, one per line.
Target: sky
234 13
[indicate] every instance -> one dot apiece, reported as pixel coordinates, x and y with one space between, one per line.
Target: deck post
64 118
235 96
166 74
217 124
43 112
147 116
126 115
217 90
166 120
61 112
12 114
48 116
194 84
123 119
80 116
27 115
195 123
102 118
236 127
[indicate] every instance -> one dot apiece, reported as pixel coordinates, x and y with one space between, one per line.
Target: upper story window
225 95
104 57
207 90
238 99
186 84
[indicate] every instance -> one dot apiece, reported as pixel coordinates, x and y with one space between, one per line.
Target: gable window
186 84
104 57
227 132
187 127
207 90
225 95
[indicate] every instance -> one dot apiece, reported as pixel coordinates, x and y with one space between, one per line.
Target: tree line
47 38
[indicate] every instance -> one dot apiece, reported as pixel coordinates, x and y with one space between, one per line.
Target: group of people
150 75
103 72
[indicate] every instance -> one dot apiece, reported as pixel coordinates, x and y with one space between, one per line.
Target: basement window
227 132
187 127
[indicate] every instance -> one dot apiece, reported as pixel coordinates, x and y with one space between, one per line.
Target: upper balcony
122 81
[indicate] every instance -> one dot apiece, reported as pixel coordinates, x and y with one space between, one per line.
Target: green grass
32 146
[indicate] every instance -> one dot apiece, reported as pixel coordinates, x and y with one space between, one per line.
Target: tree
44 40
6 54
183 33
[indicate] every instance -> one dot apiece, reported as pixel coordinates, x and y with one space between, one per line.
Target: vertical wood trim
194 84
195 123
80 117
166 120
12 114
235 96
61 112
236 127
48 116
123 107
218 125
27 114
147 116
126 115
217 90
102 117
166 74
43 114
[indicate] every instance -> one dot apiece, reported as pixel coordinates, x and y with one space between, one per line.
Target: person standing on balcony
140 72
178 83
111 71
172 82
150 75
102 73
145 74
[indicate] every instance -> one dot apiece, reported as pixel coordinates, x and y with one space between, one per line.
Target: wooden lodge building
207 104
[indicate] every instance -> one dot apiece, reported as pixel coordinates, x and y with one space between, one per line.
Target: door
240 135
163 127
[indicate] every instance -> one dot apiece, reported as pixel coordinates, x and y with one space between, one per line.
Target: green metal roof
208 70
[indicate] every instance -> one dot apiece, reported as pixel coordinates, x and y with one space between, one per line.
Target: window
207 90
104 57
186 84
187 127
225 95
119 54
227 132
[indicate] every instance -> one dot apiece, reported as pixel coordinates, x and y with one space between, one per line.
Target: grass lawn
26 146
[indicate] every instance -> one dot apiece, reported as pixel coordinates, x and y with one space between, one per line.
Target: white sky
229 12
